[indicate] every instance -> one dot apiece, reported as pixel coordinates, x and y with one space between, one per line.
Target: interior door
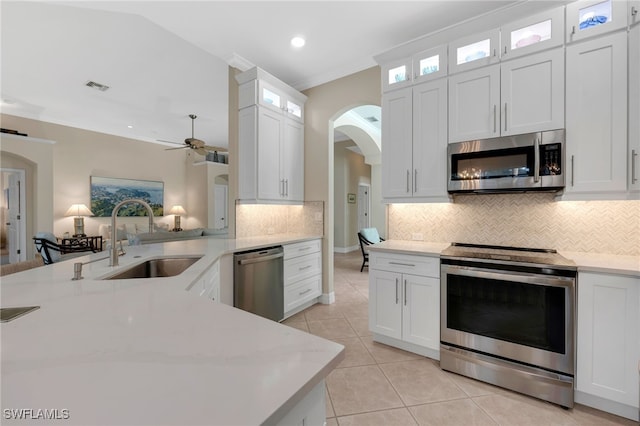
220 206
16 224
364 207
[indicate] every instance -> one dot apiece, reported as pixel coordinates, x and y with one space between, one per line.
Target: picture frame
107 192
351 198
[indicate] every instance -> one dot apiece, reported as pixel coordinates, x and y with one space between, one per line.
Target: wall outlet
417 236
271 231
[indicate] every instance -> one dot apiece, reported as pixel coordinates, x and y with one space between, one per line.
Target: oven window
493 164
526 314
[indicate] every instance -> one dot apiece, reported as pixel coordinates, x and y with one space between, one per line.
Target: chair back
371 235
47 245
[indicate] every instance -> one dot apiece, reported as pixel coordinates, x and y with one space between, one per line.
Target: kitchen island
145 351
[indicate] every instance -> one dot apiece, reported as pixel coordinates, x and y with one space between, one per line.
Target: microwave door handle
536 161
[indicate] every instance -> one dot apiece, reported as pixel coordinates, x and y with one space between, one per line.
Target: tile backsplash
524 220
264 219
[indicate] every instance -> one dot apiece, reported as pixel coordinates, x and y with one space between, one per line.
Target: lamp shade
179 210
78 210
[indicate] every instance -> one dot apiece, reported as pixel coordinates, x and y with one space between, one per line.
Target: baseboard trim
327 299
344 250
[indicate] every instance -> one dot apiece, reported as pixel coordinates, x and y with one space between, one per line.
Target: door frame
22 215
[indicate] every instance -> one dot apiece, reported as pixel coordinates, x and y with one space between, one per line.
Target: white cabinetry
208 285
474 51
404 301
522 95
425 65
414 142
532 34
588 18
302 275
270 139
634 108
596 129
608 343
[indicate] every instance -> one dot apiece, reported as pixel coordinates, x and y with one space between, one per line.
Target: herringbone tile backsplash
258 219
523 220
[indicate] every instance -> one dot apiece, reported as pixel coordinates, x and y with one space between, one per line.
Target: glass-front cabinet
430 64
396 74
594 17
537 32
474 51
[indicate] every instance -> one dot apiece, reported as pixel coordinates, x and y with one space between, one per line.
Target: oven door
519 316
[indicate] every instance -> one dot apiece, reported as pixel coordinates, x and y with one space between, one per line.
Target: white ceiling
166 59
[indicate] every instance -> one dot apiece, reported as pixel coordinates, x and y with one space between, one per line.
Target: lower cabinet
404 302
208 285
608 343
302 275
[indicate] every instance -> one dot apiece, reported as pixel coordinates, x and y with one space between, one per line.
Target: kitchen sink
156 268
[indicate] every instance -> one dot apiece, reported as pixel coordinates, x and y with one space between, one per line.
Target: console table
89 241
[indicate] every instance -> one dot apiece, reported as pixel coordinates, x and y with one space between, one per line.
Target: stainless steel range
508 318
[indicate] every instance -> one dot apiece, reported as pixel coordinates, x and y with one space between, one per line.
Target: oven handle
522 277
536 161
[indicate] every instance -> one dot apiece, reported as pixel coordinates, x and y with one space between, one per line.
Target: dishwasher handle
260 259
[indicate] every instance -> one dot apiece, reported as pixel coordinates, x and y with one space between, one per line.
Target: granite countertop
591 262
149 352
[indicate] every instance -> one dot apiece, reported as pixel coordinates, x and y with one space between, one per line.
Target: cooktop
505 254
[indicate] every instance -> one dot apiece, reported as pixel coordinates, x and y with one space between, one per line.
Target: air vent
97 86
371 119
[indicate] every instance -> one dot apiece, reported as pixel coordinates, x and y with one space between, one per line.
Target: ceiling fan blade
216 148
201 151
171 142
179 147
193 142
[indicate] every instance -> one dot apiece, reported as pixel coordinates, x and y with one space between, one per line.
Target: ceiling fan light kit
197 145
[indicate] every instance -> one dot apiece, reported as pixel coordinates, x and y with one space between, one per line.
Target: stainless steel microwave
528 162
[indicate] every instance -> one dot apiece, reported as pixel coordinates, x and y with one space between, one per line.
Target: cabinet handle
634 154
415 180
495 53
304 292
282 187
573 30
536 160
402 264
396 291
634 11
408 178
495 110
405 292
505 49
287 191
505 116
304 267
572 163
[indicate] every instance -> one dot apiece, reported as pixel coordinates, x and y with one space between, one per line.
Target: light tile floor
379 385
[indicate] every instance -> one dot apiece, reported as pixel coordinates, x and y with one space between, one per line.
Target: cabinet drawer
405 264
302 267
302 292
301 249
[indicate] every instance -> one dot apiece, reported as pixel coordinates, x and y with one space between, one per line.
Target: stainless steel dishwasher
258 284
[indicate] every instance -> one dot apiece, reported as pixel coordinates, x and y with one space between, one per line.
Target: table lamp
79 211
177 211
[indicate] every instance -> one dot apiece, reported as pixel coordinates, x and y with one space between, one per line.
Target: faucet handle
77 271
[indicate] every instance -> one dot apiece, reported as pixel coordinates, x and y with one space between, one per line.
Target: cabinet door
396 143
532 93
385 309
247 150
596 113
608 344
532 34
421 311
473 104
430 64
590 18
474 51
430 139
293 161
396 74
270 129
634 108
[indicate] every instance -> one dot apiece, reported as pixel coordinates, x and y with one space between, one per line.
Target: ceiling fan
196 144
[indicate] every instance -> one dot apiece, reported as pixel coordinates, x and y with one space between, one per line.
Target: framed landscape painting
107 192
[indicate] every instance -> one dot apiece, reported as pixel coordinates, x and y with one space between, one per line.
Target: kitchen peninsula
145 351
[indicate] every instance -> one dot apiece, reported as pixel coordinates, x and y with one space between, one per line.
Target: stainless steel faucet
114 248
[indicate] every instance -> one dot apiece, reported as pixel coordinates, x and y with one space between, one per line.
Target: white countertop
147 351
591 262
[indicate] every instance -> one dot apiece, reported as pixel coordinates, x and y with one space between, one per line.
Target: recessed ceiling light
130 126
297 41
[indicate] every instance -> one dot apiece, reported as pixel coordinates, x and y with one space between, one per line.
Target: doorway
364 206
13 228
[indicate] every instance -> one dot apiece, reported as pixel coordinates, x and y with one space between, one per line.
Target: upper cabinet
270 140
474 51
594 17
518 96
425 65
532 34
634 110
